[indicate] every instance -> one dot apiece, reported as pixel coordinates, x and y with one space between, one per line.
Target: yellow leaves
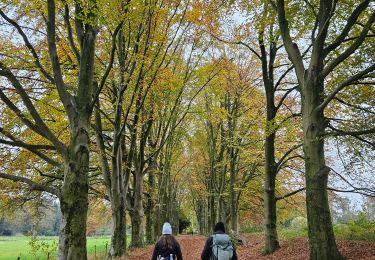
204 14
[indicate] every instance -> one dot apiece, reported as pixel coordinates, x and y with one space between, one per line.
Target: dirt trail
296 249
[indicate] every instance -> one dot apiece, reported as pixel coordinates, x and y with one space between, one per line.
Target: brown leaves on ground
296 249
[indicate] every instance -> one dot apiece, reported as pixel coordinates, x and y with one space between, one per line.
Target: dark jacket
207 251
165 252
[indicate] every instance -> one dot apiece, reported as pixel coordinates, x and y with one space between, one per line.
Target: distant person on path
167 248
219 246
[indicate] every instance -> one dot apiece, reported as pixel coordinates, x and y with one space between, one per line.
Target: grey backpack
222 248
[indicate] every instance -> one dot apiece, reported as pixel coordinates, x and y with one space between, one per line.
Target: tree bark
271 238
321 237
150 208
118 239
137 213
270 214
74 198
118 207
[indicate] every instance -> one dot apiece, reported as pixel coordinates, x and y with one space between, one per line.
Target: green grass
12 247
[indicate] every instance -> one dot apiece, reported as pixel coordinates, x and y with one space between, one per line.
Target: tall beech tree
335 40
228 143
267 52
153 44
70 158
262 40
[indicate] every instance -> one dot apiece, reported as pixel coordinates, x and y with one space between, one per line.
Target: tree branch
39 123
291 48
236 42
33 185
351 49
109 67
287 154
344 84
285 96
290 194
339 132
28 45
70 33
65 97
348 26
354 106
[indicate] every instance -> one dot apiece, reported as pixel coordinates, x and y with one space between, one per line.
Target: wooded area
246 112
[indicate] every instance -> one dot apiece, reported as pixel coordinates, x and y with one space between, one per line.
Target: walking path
296 249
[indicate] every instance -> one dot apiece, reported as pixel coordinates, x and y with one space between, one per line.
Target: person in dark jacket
167 247
207 251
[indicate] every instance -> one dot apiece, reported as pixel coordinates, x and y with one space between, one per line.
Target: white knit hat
167 229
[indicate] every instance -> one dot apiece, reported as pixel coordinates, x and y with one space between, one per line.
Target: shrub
298 223
252 229
359 229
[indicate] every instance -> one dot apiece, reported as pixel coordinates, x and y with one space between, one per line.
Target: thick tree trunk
118 239
321 237
118 186
136 218
74 199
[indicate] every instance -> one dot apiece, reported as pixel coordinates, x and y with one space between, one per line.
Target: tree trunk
271 239
118 239
211 212
150 209
118 186
233 193
137 214
321 237
74 199
137 228
201 213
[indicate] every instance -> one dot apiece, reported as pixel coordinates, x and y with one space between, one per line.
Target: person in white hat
167 248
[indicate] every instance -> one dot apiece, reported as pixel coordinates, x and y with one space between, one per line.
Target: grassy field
20 246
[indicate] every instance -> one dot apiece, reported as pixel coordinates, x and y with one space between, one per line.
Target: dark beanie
219 227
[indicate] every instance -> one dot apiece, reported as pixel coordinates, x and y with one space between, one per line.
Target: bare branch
293 148
236 42
285 96
290 194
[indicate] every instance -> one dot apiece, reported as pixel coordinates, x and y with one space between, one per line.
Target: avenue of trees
217 110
